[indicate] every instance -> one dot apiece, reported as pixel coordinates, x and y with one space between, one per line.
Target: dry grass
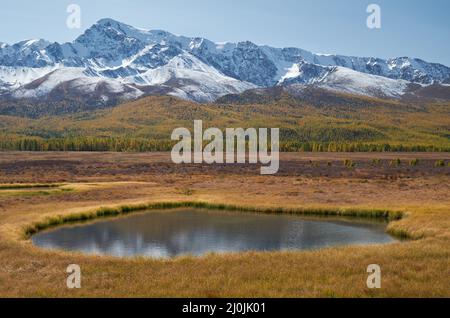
416 268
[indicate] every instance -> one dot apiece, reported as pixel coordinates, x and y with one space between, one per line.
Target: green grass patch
439 164
349 163
395 163
33 190
29 186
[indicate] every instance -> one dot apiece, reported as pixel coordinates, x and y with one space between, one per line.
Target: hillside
314 120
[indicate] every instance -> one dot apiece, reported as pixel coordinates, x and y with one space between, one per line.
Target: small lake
163 234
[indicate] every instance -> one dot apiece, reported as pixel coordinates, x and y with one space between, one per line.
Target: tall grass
414 162
349 163
28 186
439 163
376 162
395 163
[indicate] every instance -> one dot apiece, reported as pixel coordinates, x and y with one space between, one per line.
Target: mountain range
113 62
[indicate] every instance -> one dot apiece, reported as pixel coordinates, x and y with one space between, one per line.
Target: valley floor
86 181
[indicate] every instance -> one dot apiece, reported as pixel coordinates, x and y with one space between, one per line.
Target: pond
164 234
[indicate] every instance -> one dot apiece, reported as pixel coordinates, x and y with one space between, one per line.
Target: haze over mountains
112 62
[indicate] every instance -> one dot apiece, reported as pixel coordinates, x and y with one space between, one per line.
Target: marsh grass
376 162
34 190
349 163
29 186
414 268
403 234
126 209
395 163
439 164
187 192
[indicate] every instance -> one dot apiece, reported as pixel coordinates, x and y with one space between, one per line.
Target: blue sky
409 27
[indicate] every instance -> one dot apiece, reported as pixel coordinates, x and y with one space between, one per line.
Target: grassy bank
29 186
29 190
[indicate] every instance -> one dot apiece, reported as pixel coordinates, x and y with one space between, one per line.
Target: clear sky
409 27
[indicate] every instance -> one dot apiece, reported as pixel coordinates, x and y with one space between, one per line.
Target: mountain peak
104 21
33 43
114 30
247 44
108 22
110 26
196 68
110 39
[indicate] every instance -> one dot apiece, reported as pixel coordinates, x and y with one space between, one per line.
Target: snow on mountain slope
14 77
410 69
305 73
119 58
193 79
188 77
29 53
342 79
77 81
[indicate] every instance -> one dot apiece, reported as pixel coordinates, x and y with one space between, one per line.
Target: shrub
376 162
187 192
396 162
349 163
439 163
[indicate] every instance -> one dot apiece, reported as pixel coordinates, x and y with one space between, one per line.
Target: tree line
129 144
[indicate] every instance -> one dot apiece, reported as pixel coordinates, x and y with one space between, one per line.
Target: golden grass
22 190
415 268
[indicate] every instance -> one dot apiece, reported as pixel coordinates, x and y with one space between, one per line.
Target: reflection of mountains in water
171 233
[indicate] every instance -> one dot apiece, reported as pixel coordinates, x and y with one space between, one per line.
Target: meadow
410 189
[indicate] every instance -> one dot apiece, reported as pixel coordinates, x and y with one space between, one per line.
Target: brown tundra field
38 190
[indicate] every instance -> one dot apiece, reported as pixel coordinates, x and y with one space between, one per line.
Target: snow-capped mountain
112 61
341 79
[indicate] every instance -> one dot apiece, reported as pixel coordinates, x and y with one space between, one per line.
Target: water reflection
189 231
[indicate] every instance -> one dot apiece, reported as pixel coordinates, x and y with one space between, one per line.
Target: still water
164 234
